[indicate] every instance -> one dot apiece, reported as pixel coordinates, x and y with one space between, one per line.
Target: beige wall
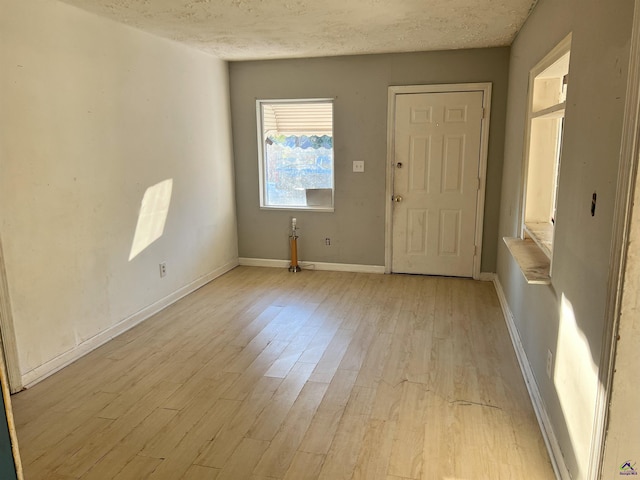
92 113
359 85
568 317
622 443
623 430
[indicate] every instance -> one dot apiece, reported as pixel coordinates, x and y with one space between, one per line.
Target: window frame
544 235
261 155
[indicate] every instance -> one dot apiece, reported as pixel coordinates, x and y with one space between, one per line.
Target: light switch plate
358 166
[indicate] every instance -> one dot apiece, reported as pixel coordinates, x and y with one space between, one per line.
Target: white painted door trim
627 172
8 347
482 169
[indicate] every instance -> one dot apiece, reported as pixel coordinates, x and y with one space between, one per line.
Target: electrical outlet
358 166
163 269
327 241
549 363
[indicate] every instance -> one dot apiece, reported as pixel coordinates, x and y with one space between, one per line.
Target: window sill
542 234
533 262
298 209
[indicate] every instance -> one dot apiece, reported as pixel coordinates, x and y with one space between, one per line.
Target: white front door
437 138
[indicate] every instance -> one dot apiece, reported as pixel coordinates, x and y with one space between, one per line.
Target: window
547 96
295 143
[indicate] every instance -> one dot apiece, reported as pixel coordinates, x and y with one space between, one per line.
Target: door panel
435 182
418 227
453 164
449 232
419 164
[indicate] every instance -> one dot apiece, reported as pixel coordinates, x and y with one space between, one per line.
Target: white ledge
533 262
554 111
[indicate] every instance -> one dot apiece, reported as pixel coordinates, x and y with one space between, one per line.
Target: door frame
622 222
8 343
485 88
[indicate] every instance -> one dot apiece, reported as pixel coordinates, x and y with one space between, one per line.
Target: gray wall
359 85
567 317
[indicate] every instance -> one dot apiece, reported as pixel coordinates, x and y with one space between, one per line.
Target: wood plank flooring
264 374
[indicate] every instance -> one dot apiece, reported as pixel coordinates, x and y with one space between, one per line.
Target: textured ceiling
261 29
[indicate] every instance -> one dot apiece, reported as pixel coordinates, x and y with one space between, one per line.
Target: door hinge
484 113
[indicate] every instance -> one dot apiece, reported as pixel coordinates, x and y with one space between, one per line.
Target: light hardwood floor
264 374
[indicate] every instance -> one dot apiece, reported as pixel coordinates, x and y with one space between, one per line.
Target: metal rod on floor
293 240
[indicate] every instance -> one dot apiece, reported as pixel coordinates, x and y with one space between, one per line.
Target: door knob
396 198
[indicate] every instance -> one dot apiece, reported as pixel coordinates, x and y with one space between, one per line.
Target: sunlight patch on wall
152 217
576 379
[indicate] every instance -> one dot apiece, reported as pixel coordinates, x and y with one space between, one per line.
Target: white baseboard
333 267
263 262
548 434
343 267
41 372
